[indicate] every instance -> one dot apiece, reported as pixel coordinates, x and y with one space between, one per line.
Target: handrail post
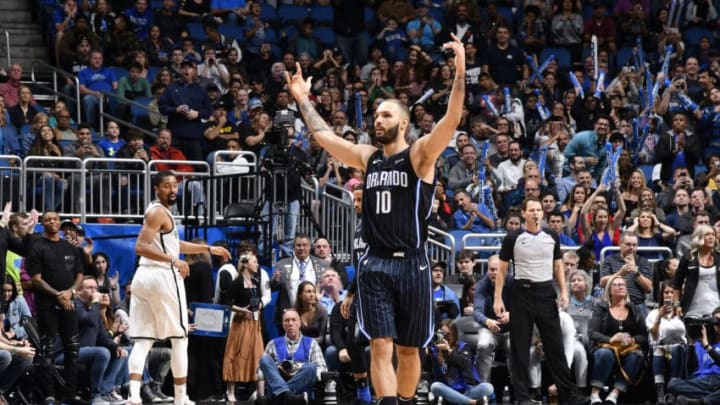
102 113
78 99
7 45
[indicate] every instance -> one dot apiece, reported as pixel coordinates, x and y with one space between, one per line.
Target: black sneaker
157 389
148 394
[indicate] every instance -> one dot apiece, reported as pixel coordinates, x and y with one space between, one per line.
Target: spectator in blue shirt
254 30
470 216
141 19
447 303
423 29
94 80
556 223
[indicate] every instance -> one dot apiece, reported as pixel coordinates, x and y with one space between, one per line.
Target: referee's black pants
534 304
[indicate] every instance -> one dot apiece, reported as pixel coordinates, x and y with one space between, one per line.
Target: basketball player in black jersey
394 289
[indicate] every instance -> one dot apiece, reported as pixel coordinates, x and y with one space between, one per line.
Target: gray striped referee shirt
533 254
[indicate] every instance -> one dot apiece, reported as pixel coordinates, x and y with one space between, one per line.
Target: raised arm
349 153
426 150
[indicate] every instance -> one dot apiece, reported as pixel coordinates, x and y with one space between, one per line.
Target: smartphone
667 303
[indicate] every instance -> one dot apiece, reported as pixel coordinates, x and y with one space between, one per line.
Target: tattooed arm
426 150
349 153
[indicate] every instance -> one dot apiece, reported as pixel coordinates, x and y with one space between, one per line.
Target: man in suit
292 271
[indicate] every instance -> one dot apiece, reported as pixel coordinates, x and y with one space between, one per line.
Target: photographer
704 387
453 364
285 162
292 363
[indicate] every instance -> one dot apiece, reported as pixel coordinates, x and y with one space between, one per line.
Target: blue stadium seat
196 31
624 56
507 14
152 72
268 13
291 32
647 172
561 54
289 14
323 15
118 71
325 34
692 36
276 50
138 113
232 31
270 35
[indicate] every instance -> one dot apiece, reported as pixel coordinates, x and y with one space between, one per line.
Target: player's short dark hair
161 176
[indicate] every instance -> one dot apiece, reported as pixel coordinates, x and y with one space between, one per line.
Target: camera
693 325
254 304
437 338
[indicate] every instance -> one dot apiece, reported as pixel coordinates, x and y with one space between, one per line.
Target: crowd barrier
121 189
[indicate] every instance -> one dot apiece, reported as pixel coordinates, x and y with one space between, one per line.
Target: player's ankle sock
595 397
612 397
387 401
134 395
180 392
405 401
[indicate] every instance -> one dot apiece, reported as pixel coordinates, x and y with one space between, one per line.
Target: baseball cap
220 103
421 3
255 103
70 225
187 62
440 264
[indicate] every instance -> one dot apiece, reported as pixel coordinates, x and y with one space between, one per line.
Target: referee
536 256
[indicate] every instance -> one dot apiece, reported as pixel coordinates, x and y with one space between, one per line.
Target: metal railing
118 101
441 248
666 251
57 89
192 186
52 184
337 218
7 46
114 188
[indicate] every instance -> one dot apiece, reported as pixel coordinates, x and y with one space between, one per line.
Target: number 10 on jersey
382 202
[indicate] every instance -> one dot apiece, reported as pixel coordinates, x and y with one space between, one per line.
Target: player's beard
170 201
389 135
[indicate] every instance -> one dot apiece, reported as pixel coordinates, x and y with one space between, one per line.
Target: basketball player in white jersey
158 310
